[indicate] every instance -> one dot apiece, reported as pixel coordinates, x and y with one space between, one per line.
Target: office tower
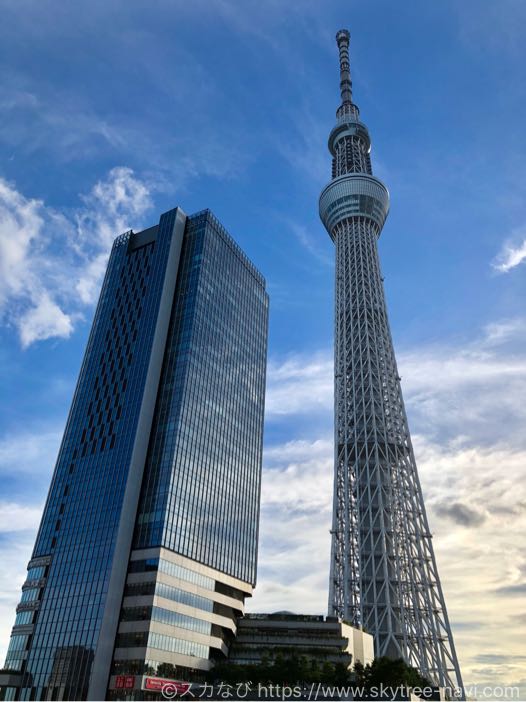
148 542
383 571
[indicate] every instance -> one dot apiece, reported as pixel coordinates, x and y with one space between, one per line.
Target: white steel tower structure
384 575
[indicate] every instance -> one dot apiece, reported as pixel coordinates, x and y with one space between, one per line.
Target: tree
388 672
283 668
167 670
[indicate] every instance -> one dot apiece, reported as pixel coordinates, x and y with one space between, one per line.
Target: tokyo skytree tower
383 575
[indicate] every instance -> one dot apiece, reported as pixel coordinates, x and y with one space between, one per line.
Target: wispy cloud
79 123
480 383
310 243
29 454
34 122
294 531
17 517
300 384
304 148
43 251
471 389
505 330
512 254
494 29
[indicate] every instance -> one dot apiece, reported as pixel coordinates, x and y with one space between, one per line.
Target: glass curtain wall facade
161 455
208 419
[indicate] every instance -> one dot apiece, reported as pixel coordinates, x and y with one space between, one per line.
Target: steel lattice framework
384 575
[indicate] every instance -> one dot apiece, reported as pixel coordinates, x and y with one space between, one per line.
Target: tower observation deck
383 574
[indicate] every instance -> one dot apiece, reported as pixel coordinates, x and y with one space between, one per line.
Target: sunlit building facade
148 543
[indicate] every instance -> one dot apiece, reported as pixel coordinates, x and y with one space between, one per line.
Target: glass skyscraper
148 542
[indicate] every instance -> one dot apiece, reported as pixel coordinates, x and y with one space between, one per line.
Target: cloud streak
512 254
450 390
29 453
17 517
299 385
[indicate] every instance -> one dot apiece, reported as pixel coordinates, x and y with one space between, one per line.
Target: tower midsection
370 436
363 340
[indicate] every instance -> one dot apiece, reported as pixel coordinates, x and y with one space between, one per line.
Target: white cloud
16 517
90 277
20 225
42 251
294 528
473 389
43 321
30 454
512 254
476 561
112 207
310 244
449 388
296 450
299 385
24 300
297 465
504 330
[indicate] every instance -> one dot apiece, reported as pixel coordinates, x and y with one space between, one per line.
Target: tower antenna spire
342 39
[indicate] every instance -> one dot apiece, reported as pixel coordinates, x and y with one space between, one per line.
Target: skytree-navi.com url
319 691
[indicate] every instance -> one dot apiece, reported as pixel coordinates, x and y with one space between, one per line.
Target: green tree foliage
166 670
283 669
290 669
388 672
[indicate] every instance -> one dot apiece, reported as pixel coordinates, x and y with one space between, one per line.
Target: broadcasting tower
384 575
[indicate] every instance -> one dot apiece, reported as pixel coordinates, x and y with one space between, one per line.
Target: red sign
125 682
175 687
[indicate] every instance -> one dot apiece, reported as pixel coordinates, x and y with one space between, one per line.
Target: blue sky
115 111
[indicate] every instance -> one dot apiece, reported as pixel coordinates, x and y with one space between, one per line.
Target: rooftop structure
262 637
